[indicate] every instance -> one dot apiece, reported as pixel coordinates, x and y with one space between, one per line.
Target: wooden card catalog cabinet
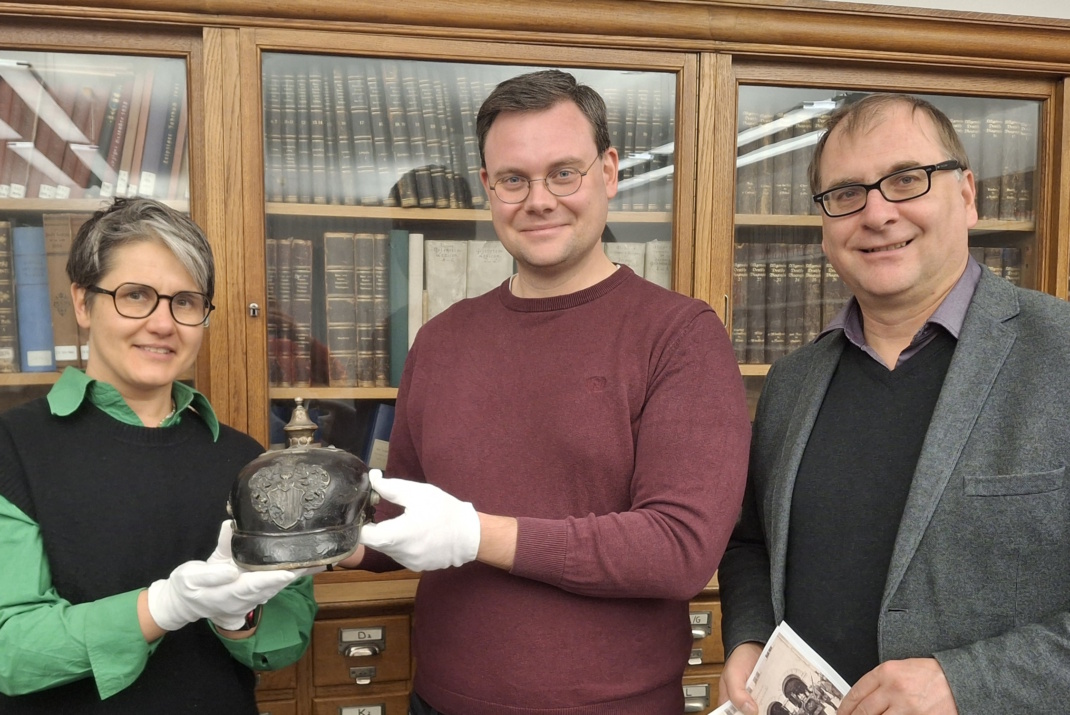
361 651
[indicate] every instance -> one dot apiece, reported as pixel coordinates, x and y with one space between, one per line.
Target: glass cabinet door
76 130
783 290
376 220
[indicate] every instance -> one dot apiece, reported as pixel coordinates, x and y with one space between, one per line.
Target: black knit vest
849 496
119 507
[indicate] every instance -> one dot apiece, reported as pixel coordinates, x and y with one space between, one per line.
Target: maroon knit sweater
612 423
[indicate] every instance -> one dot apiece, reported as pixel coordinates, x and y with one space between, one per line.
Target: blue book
399 303
32 309
377 443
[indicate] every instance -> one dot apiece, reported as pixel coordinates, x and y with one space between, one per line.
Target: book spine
112 129
151 79
1012 265
343 139
130 133
399 303
410 94
433 133
290 172
740 260
273 176
776 292
174 126
488 265
989 177
399 133
381 144
416 284
317 134
165 88
833 291
301 307
271 259
360 124
9 329
470 142
340 309
627 253
747 175
813 279
381 309
756 277
305 159
57 228
284 344
796 300
657 264
364 281
802 201
33 314
335 192
446 268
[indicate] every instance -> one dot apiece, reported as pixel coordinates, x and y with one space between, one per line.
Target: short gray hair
132 220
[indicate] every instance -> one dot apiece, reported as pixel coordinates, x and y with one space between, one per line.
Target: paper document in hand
791 679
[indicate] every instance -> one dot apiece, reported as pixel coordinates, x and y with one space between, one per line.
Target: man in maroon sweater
569 450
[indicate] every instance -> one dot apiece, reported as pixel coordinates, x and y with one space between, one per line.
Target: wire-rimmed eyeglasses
902 185
561 182
133 300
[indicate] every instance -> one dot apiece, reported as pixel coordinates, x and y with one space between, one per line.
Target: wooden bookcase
713 51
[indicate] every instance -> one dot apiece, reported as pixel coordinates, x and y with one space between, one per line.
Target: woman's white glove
219 591
216 589
436 530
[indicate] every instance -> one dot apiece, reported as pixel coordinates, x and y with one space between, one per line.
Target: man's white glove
218 591
435 531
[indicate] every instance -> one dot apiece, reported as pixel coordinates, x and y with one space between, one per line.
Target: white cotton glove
218 591
436 530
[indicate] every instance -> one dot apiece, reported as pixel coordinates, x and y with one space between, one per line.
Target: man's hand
436 530
733 680
916 686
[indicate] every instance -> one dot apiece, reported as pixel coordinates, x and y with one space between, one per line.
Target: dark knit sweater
849 496
118 507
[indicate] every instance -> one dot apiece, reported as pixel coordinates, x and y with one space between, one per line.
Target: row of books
784 294
1000 142
89 134
367 132
38 329
344 307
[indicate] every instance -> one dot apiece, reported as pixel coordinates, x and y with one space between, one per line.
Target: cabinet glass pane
76 130
784 291
376 219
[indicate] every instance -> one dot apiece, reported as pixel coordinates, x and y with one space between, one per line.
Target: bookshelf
782 291
381 151
76 130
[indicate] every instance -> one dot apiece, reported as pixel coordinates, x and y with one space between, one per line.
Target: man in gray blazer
907 511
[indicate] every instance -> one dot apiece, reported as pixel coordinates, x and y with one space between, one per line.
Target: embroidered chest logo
287 492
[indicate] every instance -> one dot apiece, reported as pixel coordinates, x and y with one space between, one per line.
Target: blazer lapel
984 343
810 395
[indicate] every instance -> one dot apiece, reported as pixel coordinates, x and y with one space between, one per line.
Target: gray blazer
980 572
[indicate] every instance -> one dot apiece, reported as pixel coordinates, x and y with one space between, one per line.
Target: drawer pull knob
361 651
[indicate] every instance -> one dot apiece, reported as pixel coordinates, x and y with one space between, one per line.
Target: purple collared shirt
949 315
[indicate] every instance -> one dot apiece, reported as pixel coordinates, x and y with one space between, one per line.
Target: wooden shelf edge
333 393
418 214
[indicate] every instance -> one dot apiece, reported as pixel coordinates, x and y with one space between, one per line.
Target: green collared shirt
103 639
74 387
